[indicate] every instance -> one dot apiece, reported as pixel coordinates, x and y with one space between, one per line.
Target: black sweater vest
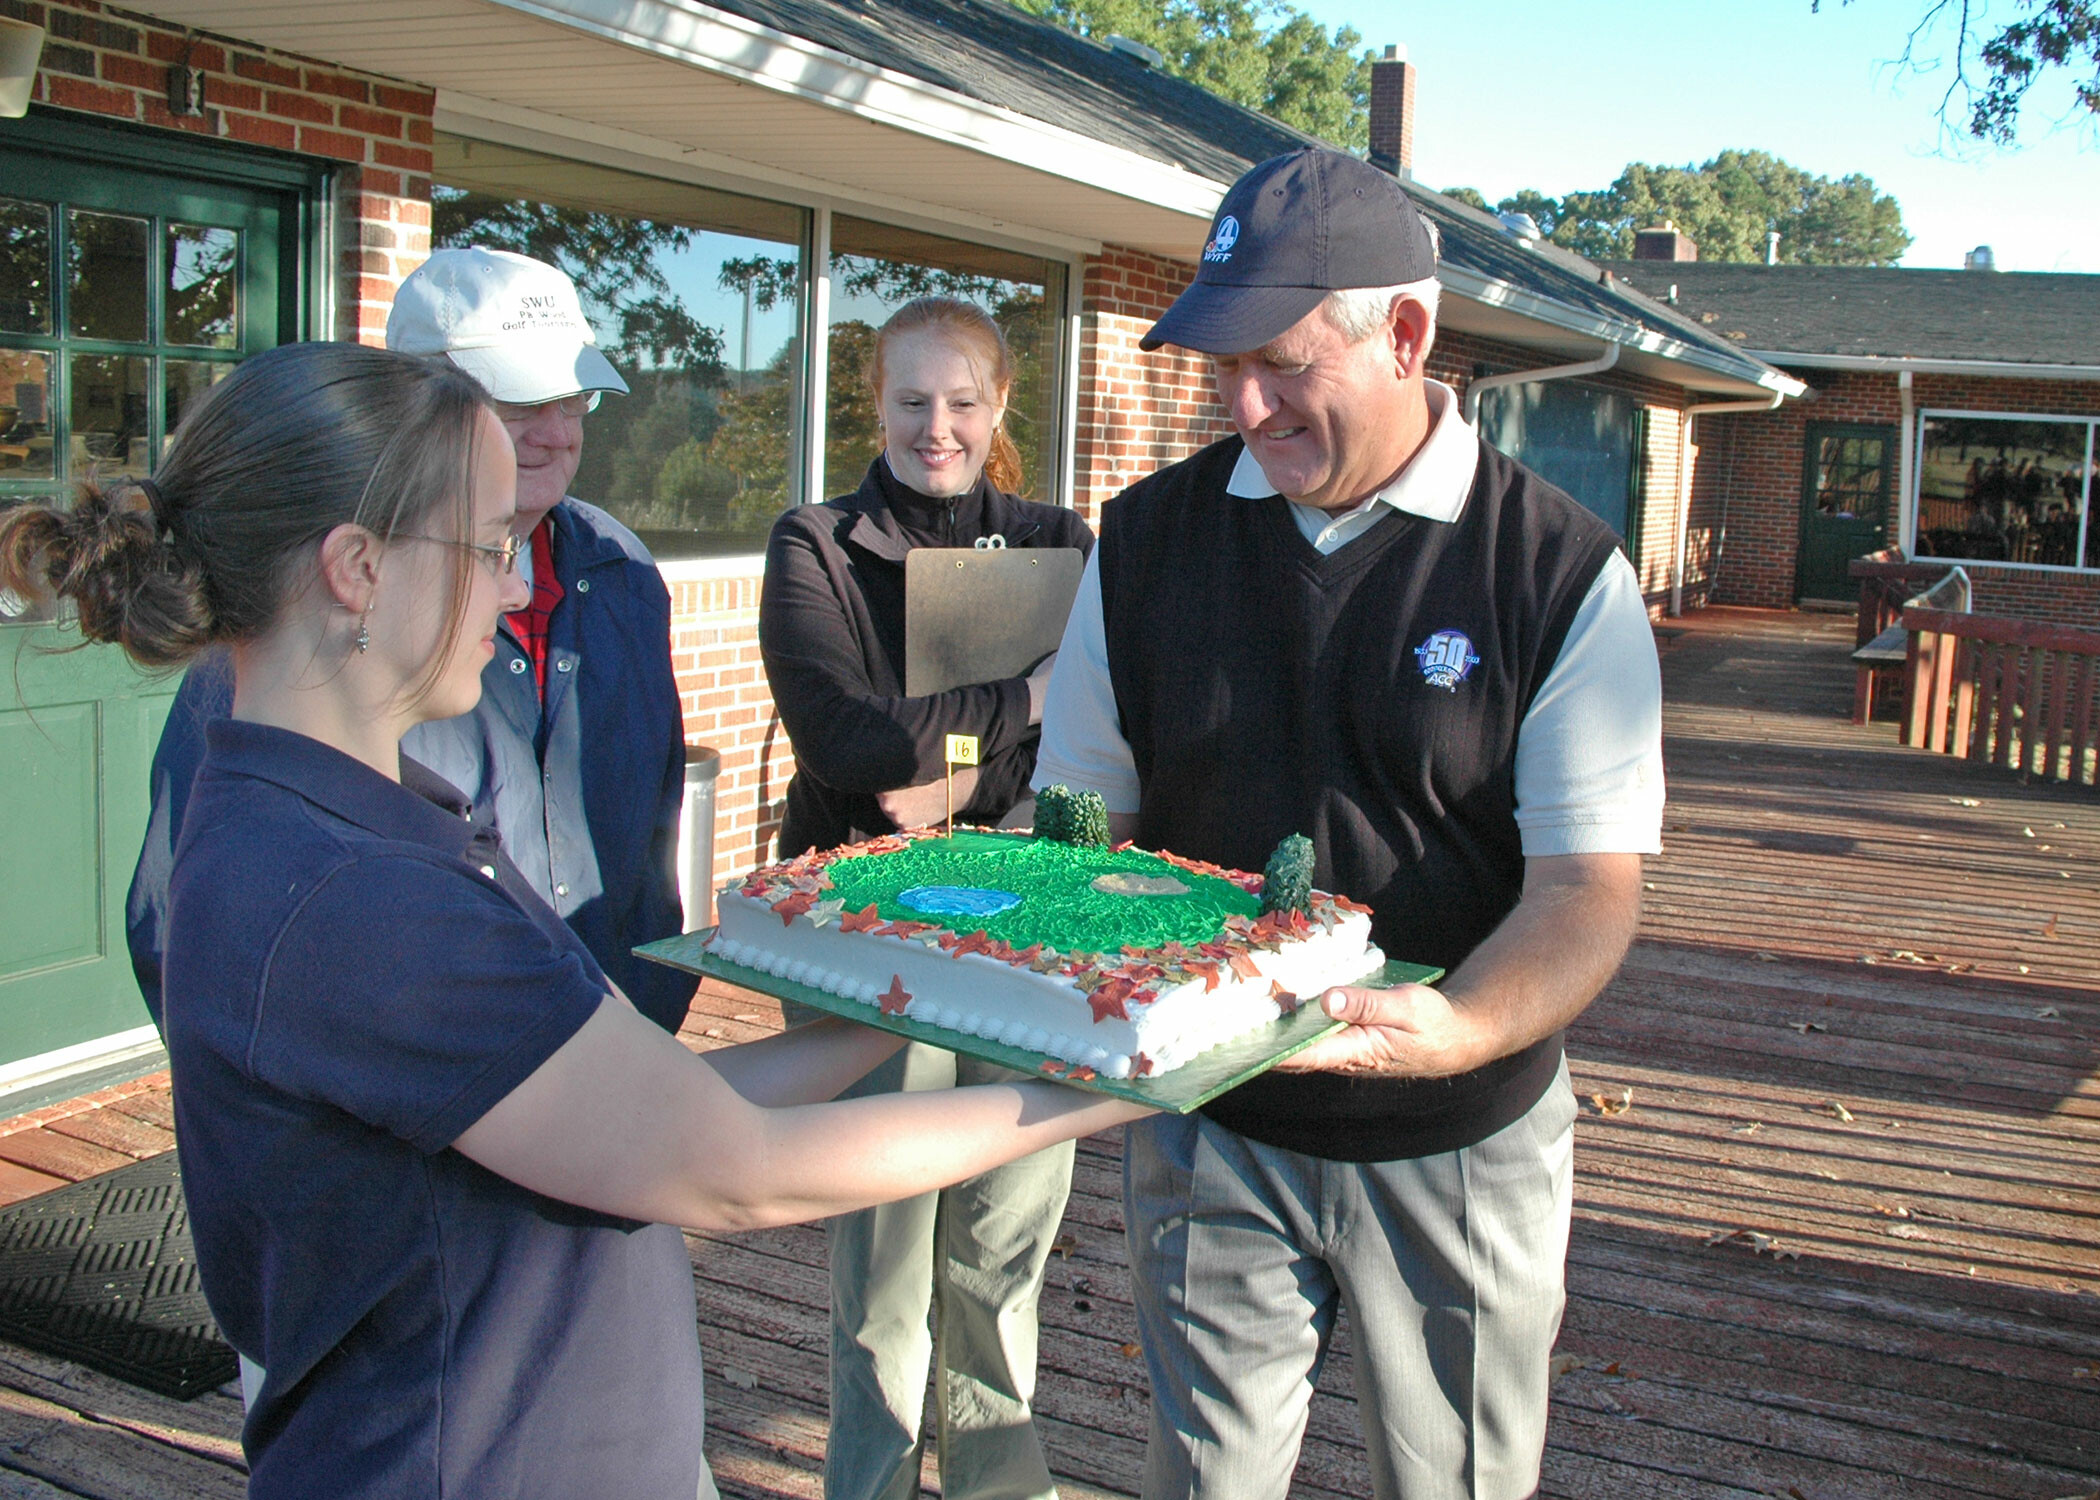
1368 699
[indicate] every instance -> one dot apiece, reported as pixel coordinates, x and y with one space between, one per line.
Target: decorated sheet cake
1112 959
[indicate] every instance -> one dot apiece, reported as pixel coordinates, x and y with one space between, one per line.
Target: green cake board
1190 1086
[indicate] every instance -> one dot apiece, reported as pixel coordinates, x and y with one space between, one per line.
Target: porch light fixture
21 44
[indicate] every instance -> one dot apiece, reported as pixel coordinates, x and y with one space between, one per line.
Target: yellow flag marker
962 751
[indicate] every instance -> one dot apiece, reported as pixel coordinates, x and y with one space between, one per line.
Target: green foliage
2050 34
1263 54
1726 205
1286 881
1070 817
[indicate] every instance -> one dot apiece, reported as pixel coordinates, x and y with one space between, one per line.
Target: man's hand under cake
927 806
1410 1031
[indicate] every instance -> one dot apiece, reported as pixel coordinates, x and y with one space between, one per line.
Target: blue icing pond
957 900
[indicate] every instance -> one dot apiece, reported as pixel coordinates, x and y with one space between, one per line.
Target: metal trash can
696 836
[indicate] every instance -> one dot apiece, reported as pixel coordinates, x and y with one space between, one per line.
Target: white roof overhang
704 91
1892 364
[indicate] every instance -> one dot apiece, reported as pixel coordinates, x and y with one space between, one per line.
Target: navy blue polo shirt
356 974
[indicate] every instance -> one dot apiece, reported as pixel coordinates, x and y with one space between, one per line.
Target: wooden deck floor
1838 1171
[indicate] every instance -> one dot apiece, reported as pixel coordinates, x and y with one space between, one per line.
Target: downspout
1905 459
1684 485
1604 361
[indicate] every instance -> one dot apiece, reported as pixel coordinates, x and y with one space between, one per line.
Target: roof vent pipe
1523 226
1771 247
1979 259
1148 56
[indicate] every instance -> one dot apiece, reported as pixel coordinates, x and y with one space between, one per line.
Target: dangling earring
364 636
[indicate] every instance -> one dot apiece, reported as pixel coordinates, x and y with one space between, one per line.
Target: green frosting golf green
1147 901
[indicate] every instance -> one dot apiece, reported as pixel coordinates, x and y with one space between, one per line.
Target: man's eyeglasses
573 407
497 559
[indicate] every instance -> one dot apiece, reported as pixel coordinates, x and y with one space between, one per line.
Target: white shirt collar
1433 485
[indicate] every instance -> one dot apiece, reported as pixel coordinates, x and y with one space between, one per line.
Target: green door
1846 479
131 279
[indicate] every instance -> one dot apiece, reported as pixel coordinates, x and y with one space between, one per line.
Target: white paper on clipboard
980 615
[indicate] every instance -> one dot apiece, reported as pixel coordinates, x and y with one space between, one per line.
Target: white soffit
745 100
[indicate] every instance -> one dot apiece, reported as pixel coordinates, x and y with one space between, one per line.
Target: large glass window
696 297
1583 439
877 268
2012 489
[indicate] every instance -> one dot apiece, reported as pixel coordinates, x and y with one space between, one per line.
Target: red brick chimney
1664 242
1393 113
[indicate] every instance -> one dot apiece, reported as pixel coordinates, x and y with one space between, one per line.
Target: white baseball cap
512 322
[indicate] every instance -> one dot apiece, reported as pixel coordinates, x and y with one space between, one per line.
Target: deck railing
2016 693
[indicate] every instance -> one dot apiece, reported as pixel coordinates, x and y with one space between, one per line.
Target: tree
1264 54
1727 206
2049 34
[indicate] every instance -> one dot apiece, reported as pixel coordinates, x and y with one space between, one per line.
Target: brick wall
1746 504
113 64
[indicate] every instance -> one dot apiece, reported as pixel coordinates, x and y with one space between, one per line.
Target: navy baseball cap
1289 232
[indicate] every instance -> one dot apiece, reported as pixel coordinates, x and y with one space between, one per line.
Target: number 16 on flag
962 751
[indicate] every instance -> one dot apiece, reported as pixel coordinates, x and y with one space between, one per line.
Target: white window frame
504 125
2092 490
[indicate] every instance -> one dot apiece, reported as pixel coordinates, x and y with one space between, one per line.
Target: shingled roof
992 52
1997 317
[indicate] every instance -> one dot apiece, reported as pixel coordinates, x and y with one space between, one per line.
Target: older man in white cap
576 751
1355 621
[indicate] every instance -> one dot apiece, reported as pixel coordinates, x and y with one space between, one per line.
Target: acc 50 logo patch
1220 247
1446 658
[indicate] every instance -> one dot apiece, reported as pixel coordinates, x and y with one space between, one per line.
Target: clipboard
983 614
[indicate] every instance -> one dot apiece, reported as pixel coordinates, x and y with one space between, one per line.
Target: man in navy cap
1354 621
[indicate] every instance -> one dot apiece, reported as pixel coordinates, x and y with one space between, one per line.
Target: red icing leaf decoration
864 920
1140 1066
1022 957
1209 969
794 906
1082 1074
979 941
1243 966
1347 905
903 929
1108 1000
895 998
1286 1002
1049 1065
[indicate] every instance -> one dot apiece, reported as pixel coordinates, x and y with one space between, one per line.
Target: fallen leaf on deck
743 1380
1760 1244
1906 1232
1563 1364
1839 1110
1606 1105
2048 1013
2082 1372
1868 958
2023 968
1820 1172
1751 1129
1805 1027
743 1018
1887 1212
1965 802
1765 958
1131 1351
1961 968
1065 1245
1610 1369
712 1031
1910 957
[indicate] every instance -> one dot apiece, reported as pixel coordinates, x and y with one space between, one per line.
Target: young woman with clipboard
870 758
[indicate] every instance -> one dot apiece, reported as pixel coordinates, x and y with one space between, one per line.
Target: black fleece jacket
831 628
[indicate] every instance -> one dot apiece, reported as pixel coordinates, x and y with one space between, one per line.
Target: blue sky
1561 94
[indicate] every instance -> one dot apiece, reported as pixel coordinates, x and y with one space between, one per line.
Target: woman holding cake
870 760
430 1154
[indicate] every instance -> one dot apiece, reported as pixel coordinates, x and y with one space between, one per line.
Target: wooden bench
1888 586
2017 693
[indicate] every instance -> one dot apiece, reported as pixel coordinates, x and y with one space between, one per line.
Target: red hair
966 324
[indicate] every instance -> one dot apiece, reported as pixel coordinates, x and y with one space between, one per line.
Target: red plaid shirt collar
529 625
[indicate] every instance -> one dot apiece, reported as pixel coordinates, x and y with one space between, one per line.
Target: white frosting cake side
1138 1026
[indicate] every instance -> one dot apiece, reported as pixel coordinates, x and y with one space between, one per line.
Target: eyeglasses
497 559
573 407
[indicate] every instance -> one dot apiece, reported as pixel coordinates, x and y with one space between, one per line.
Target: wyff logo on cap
1219 250
1446 658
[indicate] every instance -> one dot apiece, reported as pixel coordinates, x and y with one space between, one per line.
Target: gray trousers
1452 1267
975 1253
